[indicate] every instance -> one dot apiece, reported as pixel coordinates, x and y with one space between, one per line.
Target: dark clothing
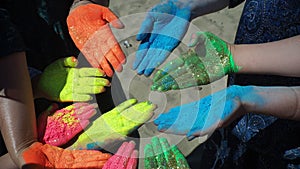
10 38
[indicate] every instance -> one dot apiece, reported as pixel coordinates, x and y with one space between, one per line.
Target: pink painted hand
125 158
57 127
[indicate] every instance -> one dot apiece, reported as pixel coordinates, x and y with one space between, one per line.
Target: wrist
234 68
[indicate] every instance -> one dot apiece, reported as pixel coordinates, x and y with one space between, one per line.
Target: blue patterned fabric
265 21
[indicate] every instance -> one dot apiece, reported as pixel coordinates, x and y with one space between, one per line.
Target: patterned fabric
257 141
265 21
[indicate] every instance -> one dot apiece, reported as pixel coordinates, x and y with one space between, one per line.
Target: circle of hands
207 60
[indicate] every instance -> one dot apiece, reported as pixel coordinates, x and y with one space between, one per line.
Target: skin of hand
47 156
62 81
161 31
159 154
89 28
57 127
115 124
203 116
125 158
208 60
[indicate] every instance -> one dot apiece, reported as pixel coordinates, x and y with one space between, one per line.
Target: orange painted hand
47 156
57 127
89 28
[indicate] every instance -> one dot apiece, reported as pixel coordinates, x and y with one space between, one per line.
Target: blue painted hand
205 115
161 31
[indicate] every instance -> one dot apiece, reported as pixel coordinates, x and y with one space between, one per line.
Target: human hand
115 124
208 61
47 156
89 28
125 158
159 154
205 115
57 127
161 31
61 81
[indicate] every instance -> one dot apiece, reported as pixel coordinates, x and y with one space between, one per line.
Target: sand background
132 12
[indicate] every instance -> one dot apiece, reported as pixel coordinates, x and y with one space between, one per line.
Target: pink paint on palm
64 124
125 158
132 163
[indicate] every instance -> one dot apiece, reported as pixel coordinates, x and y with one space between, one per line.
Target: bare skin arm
202 7
17 117
281 102
275 58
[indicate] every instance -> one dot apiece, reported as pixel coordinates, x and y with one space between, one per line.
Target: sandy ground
131 12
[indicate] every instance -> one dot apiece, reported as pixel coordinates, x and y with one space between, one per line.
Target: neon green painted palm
62 81
208 60
115 124
159 154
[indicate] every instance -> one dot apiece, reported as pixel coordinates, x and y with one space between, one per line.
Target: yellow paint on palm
116 123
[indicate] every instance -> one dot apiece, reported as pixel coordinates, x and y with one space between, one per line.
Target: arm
201 7
282 102
17 117
277 58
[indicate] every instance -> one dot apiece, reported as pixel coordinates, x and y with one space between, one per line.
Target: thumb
196 38
110 17
70 61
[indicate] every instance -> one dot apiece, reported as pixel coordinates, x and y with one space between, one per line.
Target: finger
80 105
169 67
146 28
126 155
116 158
140 54
159 58
90 57
83 89
140 112
121 107
87 71
110 17
168 153
113 60
150 158
164 84
118 52
78 97
91 81
86 115
70 61
106 67
197 39
132 163
161 161
180 159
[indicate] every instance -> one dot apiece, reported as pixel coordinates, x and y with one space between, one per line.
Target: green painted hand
159 154
208 60
115 124
61 81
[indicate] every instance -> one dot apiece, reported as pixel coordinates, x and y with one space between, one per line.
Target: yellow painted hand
62 81
115 124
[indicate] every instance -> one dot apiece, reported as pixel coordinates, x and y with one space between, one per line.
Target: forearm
17 117
276 58
282 102
202 7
